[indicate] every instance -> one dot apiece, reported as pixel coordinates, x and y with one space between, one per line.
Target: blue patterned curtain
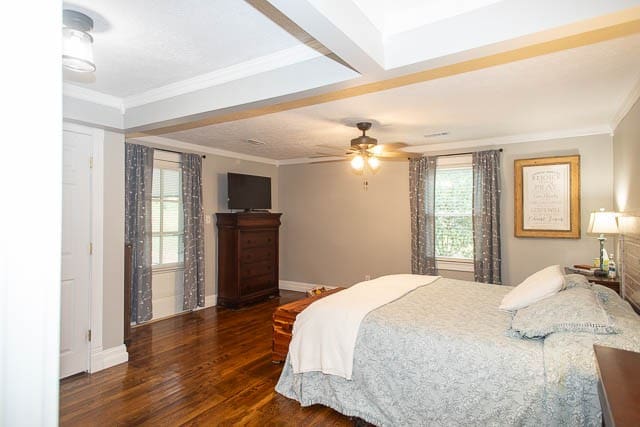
422 187
138 181
486 217
193 231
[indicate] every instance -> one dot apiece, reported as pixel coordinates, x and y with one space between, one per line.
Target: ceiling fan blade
327 161
388 155
394 145
321 154
329 147
386 148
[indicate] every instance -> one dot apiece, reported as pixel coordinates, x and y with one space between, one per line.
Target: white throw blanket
324 334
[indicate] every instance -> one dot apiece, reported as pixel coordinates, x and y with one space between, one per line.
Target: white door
76 258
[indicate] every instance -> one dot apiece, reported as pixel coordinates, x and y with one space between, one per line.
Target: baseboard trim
210 300
289 285
103 359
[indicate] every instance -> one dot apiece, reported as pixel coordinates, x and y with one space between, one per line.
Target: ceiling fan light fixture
357 163
377 150
374 163
77 43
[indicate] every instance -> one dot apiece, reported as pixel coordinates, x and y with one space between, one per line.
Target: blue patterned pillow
577 309
573 280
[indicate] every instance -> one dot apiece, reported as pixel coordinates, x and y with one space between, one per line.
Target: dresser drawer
253 284
256 269
252 255
257 239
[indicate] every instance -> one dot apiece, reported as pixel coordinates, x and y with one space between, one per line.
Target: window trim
166 162
455 264
165 268
452 263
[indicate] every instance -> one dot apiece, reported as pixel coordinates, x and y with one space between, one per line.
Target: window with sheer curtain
167 215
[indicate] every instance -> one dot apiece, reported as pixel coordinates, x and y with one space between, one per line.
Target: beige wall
214 189
335 233
113 241
626 155
523 256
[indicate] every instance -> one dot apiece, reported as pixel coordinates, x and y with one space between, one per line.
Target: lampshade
77 43
603 223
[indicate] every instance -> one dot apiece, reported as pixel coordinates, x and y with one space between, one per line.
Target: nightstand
613 284
618 385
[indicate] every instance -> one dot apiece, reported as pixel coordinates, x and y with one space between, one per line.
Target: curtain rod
461 154
457 154
177 152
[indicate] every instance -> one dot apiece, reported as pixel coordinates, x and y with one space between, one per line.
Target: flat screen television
248 192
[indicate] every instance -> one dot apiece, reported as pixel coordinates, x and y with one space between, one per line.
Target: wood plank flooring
210 367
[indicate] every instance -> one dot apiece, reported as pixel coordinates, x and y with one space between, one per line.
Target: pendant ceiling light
77 43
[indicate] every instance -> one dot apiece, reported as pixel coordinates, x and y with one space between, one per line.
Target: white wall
30 251
335 233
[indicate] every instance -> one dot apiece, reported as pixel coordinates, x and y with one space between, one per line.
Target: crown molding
626 106
162 142
93 96
262 64
510 139
307 160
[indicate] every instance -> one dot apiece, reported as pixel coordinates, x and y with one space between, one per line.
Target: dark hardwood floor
209 367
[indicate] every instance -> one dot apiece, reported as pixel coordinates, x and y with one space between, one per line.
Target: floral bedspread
440 355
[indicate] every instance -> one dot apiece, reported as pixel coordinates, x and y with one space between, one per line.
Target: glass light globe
374 163
77 50
357 162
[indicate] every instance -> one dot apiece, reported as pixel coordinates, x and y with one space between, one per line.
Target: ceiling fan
365 151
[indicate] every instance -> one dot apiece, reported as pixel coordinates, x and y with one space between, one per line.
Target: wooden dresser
247 257
618 385
283 320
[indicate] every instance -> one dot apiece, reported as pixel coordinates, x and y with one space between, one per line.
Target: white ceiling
144 44
396 16
573 89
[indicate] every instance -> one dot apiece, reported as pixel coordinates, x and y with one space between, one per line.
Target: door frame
95 358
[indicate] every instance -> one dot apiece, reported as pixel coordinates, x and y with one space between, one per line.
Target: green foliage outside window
454 198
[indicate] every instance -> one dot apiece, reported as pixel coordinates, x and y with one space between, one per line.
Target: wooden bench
283 319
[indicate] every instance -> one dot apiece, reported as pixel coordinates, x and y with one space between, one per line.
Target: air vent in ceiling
254 142
437 134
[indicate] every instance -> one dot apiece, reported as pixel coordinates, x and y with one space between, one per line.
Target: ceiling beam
342 27
589 36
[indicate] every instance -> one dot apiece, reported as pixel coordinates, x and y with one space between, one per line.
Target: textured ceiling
573 89
144 44
395 16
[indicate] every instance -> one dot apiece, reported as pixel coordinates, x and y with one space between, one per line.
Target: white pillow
540 285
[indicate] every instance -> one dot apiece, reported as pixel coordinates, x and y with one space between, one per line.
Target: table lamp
602 223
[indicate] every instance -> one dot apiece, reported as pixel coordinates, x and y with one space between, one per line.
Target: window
453 213
166 214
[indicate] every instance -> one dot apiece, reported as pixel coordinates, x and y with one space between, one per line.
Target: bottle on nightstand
612 268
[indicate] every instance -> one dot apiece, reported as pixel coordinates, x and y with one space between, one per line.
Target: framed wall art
547 197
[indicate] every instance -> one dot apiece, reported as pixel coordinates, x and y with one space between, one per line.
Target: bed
441 355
